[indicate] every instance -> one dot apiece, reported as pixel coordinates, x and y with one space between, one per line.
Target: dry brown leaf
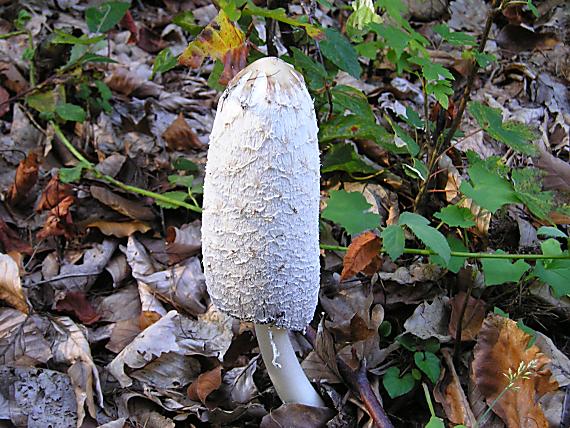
123 333
10 285
11 242
557 172
76 303
22 341
120 229
13 79
472 319
501 349
132 209
297 415
206 383
449 393
59 221
179 136
362 256
53 194
148 318
4 104
26 178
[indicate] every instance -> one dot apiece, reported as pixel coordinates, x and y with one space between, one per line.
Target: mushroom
260 221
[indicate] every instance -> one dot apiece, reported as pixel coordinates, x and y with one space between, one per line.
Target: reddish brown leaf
501 349
10 241
13 79
4 104
150 41
362 256
59 221
148 318
179 136
76 303
129 23
472 319
26 178
53 194
206 383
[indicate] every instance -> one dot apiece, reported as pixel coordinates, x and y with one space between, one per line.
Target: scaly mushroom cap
260 223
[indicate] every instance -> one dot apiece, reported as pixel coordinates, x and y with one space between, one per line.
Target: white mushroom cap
260 224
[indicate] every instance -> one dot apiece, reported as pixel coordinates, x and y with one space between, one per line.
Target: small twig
98 174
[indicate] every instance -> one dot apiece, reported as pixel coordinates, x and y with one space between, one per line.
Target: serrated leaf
403 139
499 271
513 134
554 272
528 187
455 263
412 118
396 385
550 232
488 190
103 17
187 22
430 236
351 99
431 70
71 112
351 211
428 363
455 216
395 38
393 241
314 72
71 175
176 195
163 62
343 157
337 49
456 38
484 59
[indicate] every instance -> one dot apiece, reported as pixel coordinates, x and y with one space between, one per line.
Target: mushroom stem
283 367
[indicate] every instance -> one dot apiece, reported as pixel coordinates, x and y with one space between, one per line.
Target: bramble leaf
456 38
456 216
351 211
488 189
393 240
430 236
499 271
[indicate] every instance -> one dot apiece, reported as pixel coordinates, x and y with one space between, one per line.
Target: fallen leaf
430 320
119 229
170 371
11 242
10 285
59 221
472 319
13 79
183 242
449 393
179 136
557 172
362 256
4 104
53 194
22 341
206 383
76 303
132 209
222 40
128 22
501 349
297 415
123 333
321 363
25 180
148 318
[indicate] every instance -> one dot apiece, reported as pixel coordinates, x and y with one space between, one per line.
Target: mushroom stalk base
283 367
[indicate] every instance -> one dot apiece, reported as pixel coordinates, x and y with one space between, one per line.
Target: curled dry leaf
179 136
54 192
11 242
132 209
472 319
183 242
59 221
430 320
119 229
25 180
148 318
10 285
221 40
206 383
557 172
449 393
76 303
362 256
21 339
501 349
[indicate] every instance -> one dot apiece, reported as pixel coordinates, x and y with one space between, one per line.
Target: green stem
423 252
483 417
12 34
98 174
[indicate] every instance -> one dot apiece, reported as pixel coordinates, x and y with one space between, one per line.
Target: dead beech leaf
26 178
13 79
11 241
362 256
179 135
10 285
222 40
22 341
76 303
132 209
53 194
472 319
557 172
123 333
449 393
206 383
119 229
59 221
148 318
501 348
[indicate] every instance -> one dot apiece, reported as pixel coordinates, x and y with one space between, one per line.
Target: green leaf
428 363
550 232
515 135
402 139
456 38
395 8
351 211
353 127
183 164
186 21
176 195
368 49
395 385
351 99
430 236
232 8
279 14
363 15
455 216
441 90
528 330
488 189
314 72
163 62
532 8
499 271
71 175
554 272
431 70
393 241
484 59
418 170
343 157
340 52
528 187
71 112
44 102
61 37
214 77
413 119
435 422
103 17
395 38
455 263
